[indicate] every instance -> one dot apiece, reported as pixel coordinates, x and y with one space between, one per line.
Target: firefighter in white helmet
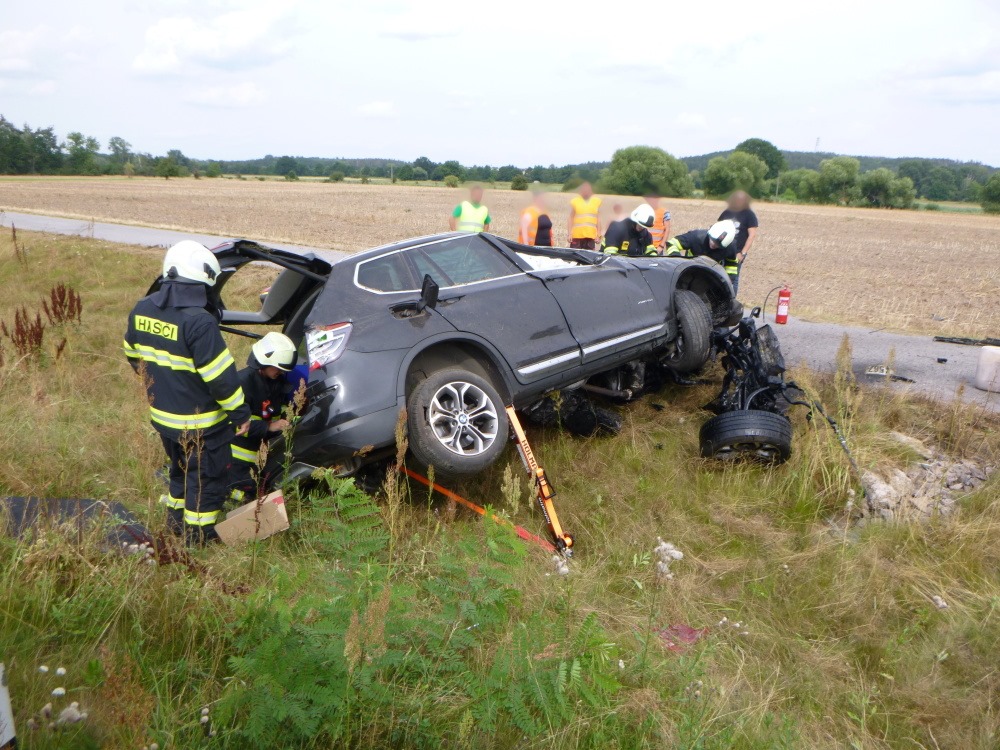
267 393
718 243
196 402
631 236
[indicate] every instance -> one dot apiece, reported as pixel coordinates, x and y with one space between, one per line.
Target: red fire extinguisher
784 298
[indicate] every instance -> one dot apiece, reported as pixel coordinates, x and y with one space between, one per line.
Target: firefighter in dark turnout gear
717 243
266 392
195 397
631 236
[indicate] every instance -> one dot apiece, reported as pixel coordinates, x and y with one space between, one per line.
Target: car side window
462 260
390 273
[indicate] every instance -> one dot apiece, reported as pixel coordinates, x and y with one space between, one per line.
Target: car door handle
450 300
557 278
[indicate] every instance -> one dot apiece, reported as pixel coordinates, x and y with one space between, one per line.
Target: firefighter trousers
198 481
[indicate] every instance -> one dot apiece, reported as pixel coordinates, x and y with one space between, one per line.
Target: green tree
641 170
989 197
82 150
738 171
507 173
425 164
120 150
214 169
453 167
838 180
451 181
917 170
405 173
292 176
336 176
941 184
419 174
286 164
902 194
520 182
876 187
766 152
167 167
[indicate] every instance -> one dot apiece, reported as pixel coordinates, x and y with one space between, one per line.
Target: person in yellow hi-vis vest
585 219
471 215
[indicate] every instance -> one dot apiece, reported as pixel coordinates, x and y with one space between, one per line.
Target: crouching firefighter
266 390
717 243
194 392
631 236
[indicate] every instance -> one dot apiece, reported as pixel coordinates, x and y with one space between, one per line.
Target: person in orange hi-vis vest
585 219
661 222
536 226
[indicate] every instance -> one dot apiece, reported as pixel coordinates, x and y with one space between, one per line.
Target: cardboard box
254 521
8 737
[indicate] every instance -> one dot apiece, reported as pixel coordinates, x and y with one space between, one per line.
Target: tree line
755 165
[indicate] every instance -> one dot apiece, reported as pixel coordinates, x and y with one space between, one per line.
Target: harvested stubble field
922 272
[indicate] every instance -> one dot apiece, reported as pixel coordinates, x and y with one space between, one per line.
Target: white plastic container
988 372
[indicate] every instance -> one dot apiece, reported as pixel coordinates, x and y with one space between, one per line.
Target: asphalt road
815 344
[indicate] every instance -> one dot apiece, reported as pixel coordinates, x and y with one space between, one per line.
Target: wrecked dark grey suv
454 327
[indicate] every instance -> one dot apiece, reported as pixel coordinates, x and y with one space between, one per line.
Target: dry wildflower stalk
27 334
64 305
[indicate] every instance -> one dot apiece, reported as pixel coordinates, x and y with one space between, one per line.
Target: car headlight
325 344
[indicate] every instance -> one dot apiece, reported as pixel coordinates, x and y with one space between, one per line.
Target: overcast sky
508 82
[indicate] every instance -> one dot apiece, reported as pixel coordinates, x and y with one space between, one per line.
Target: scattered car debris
679 637
967 342
881 371
574 412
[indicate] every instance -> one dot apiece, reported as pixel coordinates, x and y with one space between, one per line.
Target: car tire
694 333
440 437
752 434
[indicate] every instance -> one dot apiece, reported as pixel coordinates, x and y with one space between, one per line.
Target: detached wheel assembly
751 434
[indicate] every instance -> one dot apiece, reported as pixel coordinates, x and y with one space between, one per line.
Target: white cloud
380 110
241 95
419 26
236 40
15 65
691 120
975 88
43 88
18 48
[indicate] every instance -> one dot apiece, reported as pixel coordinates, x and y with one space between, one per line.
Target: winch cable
818 406
519 530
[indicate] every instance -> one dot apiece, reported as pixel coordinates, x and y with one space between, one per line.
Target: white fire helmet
191 261
643 215
275 350
723 232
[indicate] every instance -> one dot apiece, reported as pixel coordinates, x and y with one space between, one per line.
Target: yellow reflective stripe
130 351
187 421
611 250
651 250
590 219
235 401
238 495
471 226
175 503
216 367
255 417
193 518
163 358
242 454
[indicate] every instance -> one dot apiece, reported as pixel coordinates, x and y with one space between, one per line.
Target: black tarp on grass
20 516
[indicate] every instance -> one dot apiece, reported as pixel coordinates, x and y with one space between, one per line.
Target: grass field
431 628
929 272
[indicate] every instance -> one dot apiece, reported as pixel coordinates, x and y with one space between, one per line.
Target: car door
484 293
609 307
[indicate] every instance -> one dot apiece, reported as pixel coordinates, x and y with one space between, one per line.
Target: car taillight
326 343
